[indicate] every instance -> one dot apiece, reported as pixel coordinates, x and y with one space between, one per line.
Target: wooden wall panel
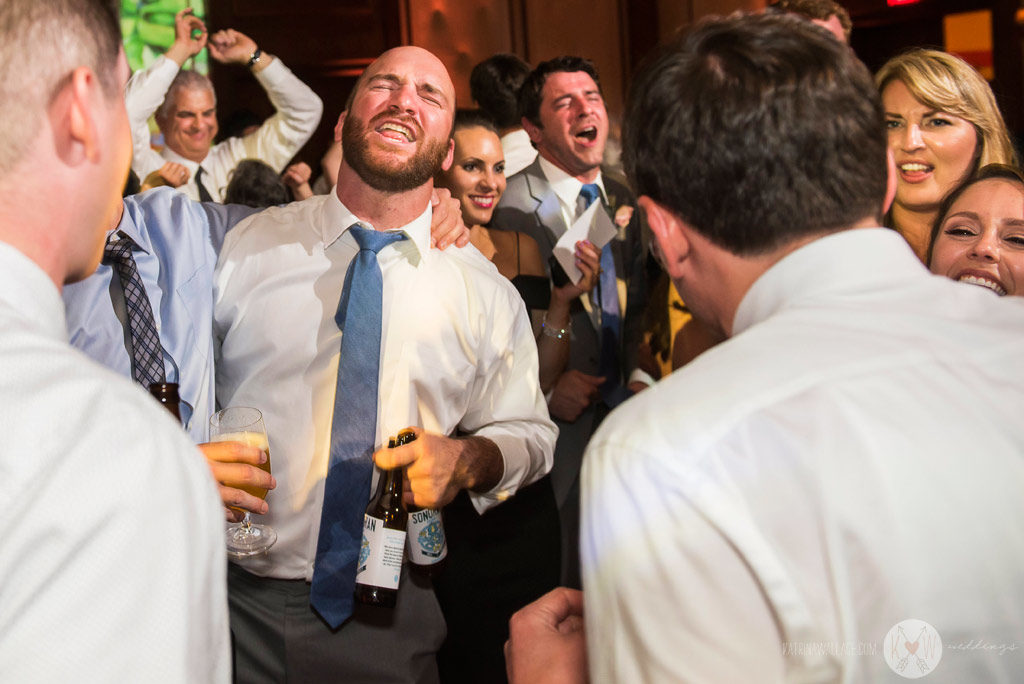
462 34
588 28
326 43
674 15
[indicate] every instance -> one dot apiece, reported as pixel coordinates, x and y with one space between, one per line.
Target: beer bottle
167 394
426 544
379 568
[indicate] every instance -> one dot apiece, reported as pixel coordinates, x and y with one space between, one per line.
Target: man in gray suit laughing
563 112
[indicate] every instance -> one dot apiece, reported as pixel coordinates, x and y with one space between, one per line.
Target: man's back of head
758 131
40 44
62 73
494 85
828 14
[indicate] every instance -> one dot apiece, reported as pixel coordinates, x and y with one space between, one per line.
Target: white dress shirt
112 565
567 188
518 150
277 140
457 352
851 458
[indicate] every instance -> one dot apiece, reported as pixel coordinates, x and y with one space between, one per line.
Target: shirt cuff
515 457
273 74
639 375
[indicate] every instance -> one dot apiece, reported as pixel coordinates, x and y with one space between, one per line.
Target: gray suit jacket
531 206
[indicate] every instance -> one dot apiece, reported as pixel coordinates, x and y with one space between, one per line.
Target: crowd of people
716 413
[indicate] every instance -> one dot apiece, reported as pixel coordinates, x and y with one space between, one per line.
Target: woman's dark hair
988 172
254 184
470 118
494 84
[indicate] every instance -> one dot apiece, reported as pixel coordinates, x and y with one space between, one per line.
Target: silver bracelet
556 333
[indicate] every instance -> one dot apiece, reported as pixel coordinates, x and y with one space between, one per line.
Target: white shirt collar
337 219
128 227
30 292
517 137
846 260
171 155
565 186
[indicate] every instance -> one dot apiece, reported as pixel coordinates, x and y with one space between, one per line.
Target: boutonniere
623 215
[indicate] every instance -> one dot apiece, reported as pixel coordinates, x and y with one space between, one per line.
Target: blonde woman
943 124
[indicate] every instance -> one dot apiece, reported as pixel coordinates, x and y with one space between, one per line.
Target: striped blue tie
147 354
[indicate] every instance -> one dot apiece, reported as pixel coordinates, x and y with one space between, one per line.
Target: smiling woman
943 123
477 179
979 235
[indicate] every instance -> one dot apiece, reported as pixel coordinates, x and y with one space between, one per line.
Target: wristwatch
254 58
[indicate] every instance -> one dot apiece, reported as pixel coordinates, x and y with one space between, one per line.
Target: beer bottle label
426 542
380 556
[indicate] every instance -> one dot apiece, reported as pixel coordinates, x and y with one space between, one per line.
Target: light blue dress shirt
177 242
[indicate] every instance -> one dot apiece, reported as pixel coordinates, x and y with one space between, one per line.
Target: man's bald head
397 130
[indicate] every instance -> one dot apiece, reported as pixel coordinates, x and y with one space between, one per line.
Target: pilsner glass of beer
244 424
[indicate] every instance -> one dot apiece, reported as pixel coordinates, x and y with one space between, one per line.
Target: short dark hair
254 184
533 86
816 9
494 85
757 130
987 172
470 118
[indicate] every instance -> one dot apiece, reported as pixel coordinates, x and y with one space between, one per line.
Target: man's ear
73 117
450 157
891 180
338 126
671 239
531 130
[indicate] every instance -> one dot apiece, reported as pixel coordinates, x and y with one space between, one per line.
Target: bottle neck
389 491
167 394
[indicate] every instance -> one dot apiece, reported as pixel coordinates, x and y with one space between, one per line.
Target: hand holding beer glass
245 425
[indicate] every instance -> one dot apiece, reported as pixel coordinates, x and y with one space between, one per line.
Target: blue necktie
608 298
147 354
353 430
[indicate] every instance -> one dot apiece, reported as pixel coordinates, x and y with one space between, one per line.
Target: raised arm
147 88
298 108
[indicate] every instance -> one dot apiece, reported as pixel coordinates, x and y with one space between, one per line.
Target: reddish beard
385 174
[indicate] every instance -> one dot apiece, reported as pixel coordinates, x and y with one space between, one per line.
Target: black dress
497 562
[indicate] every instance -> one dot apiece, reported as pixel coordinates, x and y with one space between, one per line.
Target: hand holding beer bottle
379 568
244 426
438 467
426 544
